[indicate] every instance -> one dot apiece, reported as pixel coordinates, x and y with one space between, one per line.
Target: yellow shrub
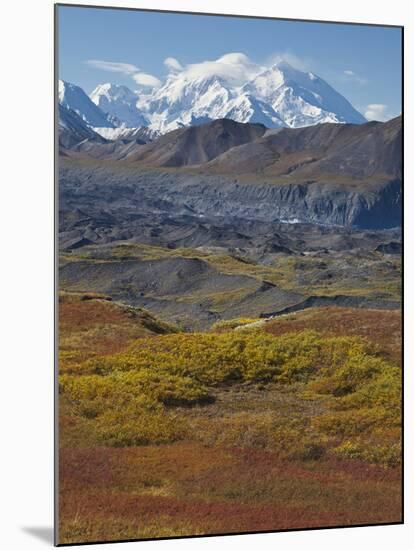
386 455
139 426
350 422
217 358
352 374
128 396
229 324
119 388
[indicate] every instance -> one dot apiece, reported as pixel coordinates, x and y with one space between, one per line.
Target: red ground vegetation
185 489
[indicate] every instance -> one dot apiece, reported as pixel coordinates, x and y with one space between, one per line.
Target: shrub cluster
216 359
133 396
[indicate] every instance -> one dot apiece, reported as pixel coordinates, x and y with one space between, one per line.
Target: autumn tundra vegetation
251 425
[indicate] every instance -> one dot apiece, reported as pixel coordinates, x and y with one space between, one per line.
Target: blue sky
125 47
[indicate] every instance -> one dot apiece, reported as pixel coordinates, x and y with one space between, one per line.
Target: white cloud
125 68
173 64
377 111
290 58
234 67
144 79
354 77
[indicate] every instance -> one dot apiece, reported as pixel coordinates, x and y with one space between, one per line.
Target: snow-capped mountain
120 102
73 97
301 98
185 102
276 96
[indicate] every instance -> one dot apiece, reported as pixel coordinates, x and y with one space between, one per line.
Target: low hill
111 326
196 144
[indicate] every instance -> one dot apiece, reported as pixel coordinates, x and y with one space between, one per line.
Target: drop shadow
42 533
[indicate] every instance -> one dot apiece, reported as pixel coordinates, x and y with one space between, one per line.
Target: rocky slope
377 205
73 131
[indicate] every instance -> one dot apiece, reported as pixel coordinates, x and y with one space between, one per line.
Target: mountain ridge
278 96
354 151
73 130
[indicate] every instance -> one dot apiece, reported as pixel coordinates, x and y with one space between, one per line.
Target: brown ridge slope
196 144
331 152
356 151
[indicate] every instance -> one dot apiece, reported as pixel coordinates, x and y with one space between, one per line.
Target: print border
56 272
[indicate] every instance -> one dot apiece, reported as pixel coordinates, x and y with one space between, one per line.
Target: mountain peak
73 97
119 102
284 65
289 73
301 98
111 90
